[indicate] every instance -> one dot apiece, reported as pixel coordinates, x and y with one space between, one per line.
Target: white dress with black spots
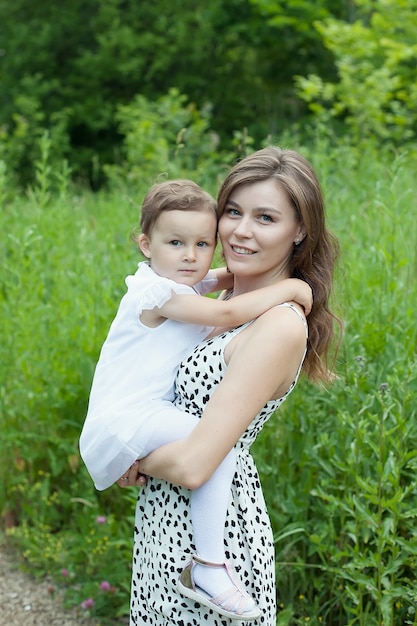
163 530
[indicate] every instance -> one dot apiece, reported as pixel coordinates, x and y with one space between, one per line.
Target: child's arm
238 310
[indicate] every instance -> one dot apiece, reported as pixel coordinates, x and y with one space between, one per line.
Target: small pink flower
87 604
105 586
64 573
101 519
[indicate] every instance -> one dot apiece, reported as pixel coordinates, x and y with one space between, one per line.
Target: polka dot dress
163 540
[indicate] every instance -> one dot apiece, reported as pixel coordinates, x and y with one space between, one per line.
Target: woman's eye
265 217
232 211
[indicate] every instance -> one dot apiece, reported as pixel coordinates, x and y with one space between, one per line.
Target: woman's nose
243 227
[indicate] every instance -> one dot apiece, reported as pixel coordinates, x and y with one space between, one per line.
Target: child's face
181 245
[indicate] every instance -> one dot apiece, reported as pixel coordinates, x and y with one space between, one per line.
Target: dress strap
300 315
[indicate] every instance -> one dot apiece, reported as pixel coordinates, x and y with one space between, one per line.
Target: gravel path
28 602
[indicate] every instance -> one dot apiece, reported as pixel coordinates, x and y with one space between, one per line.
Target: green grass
337 464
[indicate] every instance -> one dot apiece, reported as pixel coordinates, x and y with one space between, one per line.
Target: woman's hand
132 478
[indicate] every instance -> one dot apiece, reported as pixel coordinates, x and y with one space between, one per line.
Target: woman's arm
263 362
238 310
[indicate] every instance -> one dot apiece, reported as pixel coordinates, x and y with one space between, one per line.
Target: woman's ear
300 235
144 244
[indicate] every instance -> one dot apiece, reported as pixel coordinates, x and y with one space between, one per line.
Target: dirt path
26 601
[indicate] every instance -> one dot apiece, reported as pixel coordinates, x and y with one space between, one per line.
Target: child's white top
135 373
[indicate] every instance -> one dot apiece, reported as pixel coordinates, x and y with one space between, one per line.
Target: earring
297 242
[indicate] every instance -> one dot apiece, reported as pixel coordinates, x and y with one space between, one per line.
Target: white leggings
210 501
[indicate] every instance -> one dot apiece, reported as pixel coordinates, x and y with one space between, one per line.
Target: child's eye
202 244
175 242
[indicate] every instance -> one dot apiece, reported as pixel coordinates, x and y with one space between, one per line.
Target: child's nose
189 253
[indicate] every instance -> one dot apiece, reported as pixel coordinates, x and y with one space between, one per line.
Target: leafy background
100 99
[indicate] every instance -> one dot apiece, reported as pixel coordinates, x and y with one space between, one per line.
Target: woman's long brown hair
313 260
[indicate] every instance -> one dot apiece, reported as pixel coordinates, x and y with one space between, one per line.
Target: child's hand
303 294
133 477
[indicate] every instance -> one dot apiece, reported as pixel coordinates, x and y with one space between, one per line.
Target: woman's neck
244 284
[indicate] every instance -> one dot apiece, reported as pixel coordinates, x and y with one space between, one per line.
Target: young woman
160 319
272 227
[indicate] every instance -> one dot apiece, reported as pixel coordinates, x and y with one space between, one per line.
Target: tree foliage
375 92
68 67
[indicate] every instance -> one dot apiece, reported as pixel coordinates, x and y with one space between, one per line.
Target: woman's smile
240 250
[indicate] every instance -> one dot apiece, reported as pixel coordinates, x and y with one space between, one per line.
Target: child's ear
144 245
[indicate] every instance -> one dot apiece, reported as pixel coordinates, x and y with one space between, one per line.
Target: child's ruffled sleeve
155 291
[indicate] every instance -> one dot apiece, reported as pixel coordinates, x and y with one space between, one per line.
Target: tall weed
337 463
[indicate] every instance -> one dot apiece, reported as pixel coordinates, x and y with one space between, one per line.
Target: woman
272 226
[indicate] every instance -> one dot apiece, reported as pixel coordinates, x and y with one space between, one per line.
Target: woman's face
258 229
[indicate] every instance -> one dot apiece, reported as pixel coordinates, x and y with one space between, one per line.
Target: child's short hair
174 195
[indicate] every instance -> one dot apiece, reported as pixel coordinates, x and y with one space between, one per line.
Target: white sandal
230 603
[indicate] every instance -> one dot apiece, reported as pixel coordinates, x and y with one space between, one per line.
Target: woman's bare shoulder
280 321
268 352
282 326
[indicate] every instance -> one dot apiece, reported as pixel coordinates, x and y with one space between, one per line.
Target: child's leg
208 503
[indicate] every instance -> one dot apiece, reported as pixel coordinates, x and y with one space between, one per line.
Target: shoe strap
233 600
197 559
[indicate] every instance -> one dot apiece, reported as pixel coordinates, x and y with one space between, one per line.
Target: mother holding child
203 544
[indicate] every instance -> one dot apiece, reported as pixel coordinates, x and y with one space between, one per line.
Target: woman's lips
240 250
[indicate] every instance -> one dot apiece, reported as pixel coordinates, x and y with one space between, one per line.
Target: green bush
374 93
167 137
